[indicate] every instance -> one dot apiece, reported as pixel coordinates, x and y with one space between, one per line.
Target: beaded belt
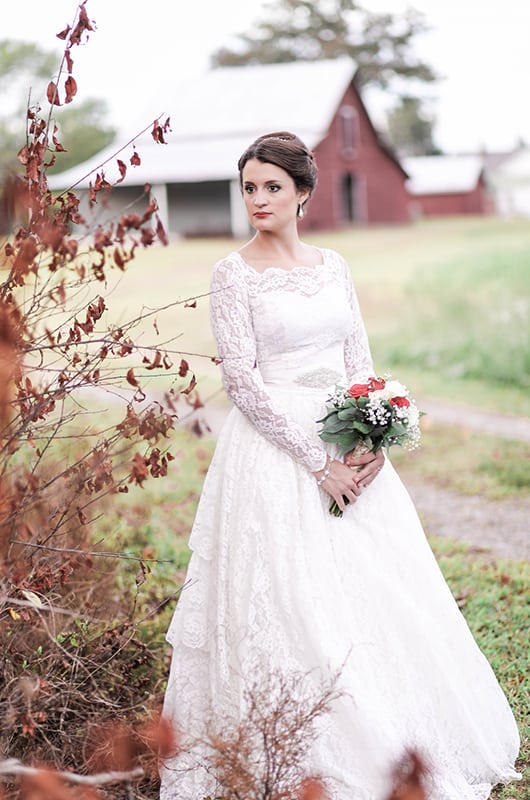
318 378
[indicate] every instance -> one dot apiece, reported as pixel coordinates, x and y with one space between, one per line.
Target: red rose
358 390
376 383
400 402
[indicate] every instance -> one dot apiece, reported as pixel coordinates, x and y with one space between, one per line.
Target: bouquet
368 416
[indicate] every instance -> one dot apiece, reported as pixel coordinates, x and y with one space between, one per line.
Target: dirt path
501 527
495 424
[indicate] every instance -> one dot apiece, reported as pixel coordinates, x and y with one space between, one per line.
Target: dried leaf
33 598
131 378
123 170
69 61
135 159
190 387
52 93
70 87
183 368
64 34
161 231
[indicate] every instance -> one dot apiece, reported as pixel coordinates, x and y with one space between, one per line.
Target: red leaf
131 379
123 170
64 34
190 387
191 305
156 363
69 61
52 94
83 24
70 87
183 369
158 132
23 155
135 159
118 258
161 231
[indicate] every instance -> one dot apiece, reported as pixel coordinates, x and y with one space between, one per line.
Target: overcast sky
142 49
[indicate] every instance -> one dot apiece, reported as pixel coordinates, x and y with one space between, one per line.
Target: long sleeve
231 322
357 355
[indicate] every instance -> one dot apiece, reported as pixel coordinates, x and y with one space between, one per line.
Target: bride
275 582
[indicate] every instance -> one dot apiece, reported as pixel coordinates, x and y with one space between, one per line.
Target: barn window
348 131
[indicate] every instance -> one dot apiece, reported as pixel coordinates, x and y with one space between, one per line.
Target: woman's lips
261 214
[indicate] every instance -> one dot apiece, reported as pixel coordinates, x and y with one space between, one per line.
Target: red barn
216 116
448 186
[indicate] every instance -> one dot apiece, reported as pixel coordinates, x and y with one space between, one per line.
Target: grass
494 600
468 462
446 304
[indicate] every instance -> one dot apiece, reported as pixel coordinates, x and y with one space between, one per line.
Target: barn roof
216 116
443 174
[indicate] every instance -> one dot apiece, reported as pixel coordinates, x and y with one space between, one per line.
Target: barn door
350 211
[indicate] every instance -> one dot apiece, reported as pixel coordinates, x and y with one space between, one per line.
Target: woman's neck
286 247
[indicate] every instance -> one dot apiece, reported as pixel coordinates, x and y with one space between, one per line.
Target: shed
509 179
216 116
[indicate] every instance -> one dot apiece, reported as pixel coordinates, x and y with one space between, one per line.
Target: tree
25 69
77 431
308 30
410 129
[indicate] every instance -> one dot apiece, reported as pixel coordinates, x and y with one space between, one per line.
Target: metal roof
442 174
216 116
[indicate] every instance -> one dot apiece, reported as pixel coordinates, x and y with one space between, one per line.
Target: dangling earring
300 212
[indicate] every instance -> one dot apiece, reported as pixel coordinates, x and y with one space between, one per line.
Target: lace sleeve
357 356
232 328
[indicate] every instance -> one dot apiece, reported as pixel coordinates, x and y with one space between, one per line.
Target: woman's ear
303 196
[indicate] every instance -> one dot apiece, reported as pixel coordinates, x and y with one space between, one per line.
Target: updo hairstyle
285 150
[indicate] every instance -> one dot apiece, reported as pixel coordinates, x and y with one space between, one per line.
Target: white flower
392 389
413 415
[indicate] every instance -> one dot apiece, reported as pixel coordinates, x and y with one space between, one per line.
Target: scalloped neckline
296 268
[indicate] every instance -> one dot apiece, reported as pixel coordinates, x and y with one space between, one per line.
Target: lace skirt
277 585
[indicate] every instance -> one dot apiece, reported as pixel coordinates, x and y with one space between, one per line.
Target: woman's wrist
322 474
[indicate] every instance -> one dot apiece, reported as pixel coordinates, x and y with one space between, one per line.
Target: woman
275 582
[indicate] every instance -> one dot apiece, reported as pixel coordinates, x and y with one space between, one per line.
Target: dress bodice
300 328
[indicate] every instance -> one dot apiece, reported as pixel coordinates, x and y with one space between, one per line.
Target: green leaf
349 413
363 427
348 439
335 426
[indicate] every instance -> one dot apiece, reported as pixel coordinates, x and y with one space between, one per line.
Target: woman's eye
249 189
274 188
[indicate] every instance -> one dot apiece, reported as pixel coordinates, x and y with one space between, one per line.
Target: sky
140 52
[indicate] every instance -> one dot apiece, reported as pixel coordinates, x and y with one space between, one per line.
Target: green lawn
446 304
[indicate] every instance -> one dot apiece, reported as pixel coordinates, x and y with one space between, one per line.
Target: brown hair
285 150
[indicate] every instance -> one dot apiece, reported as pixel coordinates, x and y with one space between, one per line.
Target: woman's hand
340 482
366 467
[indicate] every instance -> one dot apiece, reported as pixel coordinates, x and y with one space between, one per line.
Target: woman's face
270 195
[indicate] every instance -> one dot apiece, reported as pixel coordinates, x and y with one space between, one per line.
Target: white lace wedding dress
277 583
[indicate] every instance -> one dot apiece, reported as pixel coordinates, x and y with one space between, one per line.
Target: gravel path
500 527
